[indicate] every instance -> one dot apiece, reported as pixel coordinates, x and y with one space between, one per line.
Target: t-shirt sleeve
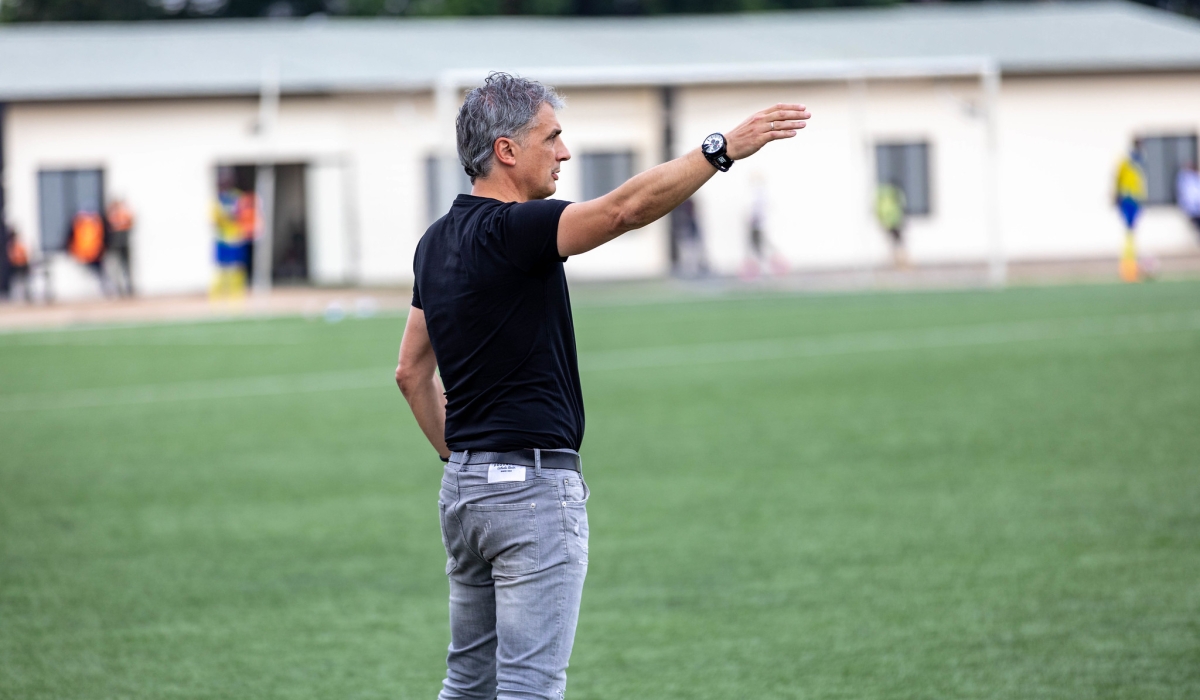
416 300
530 233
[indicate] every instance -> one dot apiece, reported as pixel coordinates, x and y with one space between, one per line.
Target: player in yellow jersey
1131 194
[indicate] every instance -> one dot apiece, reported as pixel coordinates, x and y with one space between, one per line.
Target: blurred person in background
86 244
119 219
6 236
1131 194
489 368
17 257
232 249
1187 193
689 238
761 255
890 204
246 214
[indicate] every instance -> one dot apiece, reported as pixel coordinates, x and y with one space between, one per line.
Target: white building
1004 124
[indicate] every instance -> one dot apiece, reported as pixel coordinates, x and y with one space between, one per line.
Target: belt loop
537 463
466 460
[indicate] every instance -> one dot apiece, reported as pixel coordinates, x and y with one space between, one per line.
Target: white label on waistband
505 472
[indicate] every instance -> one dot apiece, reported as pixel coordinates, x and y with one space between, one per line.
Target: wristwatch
713 149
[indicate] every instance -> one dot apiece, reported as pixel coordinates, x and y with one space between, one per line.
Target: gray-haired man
491 310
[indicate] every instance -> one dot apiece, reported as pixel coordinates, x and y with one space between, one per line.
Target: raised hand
783 121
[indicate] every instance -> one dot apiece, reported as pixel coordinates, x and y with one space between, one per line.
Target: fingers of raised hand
783 118
782 115
787 125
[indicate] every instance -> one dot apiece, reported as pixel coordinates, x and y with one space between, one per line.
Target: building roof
328 55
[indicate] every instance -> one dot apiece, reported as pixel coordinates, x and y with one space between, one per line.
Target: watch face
713 144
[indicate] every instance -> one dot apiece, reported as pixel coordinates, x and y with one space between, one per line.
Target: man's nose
564 154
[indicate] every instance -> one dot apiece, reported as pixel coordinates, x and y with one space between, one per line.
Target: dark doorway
239 188
290 226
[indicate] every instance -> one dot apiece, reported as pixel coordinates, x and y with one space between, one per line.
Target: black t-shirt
491 283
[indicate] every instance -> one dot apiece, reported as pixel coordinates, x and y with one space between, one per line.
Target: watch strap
719 160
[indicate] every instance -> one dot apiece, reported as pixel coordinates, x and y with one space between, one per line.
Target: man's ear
505 150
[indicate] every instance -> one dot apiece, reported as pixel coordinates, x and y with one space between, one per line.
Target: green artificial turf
951 495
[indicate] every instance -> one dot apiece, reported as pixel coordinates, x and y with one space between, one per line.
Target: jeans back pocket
506 536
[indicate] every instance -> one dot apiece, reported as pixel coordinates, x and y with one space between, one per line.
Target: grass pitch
958 495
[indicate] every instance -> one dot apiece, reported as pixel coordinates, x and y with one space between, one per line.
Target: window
61 195
906 166
1163 157
438 202
604 172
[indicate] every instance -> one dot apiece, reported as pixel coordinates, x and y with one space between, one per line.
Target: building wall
365 178
157 155
1059 141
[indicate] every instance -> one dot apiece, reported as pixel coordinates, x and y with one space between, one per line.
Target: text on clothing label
505 472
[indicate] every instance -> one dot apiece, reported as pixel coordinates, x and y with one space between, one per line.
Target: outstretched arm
417 378
649 196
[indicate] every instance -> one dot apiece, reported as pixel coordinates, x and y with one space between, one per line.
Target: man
119 220
85 243
689 241
890 204
761 255
18 264
490 309
1131 194
234 214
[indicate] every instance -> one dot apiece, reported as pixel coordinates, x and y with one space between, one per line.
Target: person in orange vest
246 212
86 243
18 264
119 220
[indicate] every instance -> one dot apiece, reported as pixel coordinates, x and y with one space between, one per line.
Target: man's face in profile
541 151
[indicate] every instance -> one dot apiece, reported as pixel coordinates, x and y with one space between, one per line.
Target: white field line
242 342
642 358
242 387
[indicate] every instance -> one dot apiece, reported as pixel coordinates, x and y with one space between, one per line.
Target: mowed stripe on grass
634 358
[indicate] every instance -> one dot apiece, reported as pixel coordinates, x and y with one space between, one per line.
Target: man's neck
498 187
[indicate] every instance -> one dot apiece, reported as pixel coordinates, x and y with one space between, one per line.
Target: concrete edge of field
338 303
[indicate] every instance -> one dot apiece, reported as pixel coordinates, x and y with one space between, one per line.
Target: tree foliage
92 10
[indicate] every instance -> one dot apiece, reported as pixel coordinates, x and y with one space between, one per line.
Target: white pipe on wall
997 261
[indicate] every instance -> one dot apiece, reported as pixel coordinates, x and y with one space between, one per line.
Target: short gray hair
504 106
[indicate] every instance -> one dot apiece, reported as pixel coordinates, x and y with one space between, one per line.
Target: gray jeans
516 557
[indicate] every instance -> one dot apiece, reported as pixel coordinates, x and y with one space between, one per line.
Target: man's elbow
409 379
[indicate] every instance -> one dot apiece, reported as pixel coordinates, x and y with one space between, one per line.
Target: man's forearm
428 404
651 195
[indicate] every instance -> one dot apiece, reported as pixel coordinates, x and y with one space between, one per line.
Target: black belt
525 458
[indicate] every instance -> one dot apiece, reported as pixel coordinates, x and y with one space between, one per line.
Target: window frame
62 239
586 191
1172 199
